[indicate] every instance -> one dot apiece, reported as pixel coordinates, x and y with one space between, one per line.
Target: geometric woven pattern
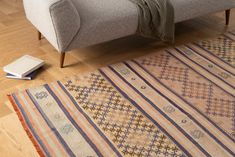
174 73
223 47
197 90
221 107
173 103
194 88
130 130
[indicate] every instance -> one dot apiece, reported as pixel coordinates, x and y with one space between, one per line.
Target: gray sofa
70 24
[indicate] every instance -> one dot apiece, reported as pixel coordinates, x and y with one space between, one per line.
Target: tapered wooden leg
39 35
227 16
62 56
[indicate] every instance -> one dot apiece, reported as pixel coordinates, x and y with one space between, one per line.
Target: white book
18 78
27 77
23 66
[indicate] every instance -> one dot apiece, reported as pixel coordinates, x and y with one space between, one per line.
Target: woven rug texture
176 102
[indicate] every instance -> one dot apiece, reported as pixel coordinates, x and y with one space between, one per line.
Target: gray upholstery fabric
188 9
82 23
54 25
37 12
104 20
65 28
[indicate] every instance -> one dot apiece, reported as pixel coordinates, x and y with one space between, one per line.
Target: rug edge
26 128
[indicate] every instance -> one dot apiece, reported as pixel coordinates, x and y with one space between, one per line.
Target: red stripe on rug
25 126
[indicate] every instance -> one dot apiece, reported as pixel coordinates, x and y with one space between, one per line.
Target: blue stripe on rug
148 116
50 125
89 120
182 110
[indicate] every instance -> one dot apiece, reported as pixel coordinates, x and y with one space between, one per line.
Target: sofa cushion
104 20
187 9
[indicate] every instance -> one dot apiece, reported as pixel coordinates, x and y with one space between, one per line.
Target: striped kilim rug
175 102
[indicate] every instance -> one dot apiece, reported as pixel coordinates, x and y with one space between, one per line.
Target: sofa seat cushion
104 20
188 9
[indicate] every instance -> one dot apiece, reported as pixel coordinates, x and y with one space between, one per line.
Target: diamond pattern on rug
197 90
194 88
156 61
130 130
174 73
116 111
221 107
222 47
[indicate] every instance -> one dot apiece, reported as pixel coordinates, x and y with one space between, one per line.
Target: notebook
27 77
23 66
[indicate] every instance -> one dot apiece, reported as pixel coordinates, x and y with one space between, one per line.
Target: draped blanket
156 19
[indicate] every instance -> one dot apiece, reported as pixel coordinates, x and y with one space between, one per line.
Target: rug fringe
36 145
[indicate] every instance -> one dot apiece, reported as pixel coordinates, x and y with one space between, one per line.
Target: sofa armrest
57 20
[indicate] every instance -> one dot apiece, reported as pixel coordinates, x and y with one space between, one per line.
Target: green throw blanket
156 19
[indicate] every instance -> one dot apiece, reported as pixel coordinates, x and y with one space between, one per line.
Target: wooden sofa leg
62 56
39 35
227 16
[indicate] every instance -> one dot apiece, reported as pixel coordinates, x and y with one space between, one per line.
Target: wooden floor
19 37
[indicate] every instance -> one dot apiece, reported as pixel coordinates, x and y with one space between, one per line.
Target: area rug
176 102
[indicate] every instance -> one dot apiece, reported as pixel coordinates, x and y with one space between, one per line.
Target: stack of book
24 68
